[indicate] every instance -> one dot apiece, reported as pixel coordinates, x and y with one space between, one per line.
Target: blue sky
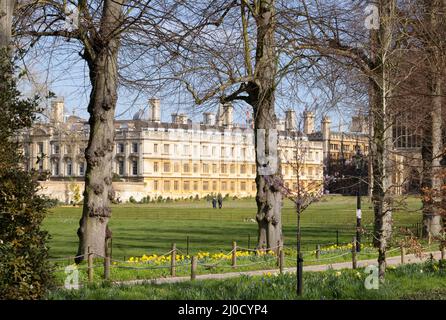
65 74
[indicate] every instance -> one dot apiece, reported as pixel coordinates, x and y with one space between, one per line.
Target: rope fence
228 258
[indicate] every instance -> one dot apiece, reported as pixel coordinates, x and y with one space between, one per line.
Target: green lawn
414 281
151 228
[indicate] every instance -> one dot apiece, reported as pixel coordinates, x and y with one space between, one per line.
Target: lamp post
359 164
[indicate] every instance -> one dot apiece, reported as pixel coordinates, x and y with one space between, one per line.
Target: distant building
177 159
182 159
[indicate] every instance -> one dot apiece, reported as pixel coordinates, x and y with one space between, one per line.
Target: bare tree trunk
262 98
6 14
269 198
93 226
432 140
435 225
431 151
381 43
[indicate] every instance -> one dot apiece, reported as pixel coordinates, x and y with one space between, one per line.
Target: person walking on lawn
220 201
214 203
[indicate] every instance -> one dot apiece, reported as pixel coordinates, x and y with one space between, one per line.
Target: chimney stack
290 120
225 115
308 122
208 118
155 106
359 124
175 118
183 118
57 111
325 128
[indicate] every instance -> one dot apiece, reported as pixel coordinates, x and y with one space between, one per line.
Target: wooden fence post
318 251
277 253
193 268
354 253
90 265
281 260
173 260
403 254
107 260
443 253
234 254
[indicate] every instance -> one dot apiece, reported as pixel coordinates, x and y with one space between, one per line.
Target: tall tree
432 35
260 90
336 32
237 59
382 42
98 27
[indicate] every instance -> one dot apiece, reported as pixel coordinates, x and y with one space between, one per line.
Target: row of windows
290 155
206 168
187 185
120 147
224 168
406 137
133 169
345 147
166 149
205 150
309 171
55 168
205 185
55 149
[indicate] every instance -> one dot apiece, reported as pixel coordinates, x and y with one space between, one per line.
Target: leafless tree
100 32
372 42
431 32
303 192
240 59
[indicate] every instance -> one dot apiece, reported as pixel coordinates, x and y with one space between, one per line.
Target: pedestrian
220 201
214 203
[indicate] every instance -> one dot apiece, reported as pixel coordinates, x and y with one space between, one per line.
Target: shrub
50 202
25 272
145 200
132 200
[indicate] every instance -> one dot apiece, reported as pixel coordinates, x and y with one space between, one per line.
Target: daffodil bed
408 282
158 266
